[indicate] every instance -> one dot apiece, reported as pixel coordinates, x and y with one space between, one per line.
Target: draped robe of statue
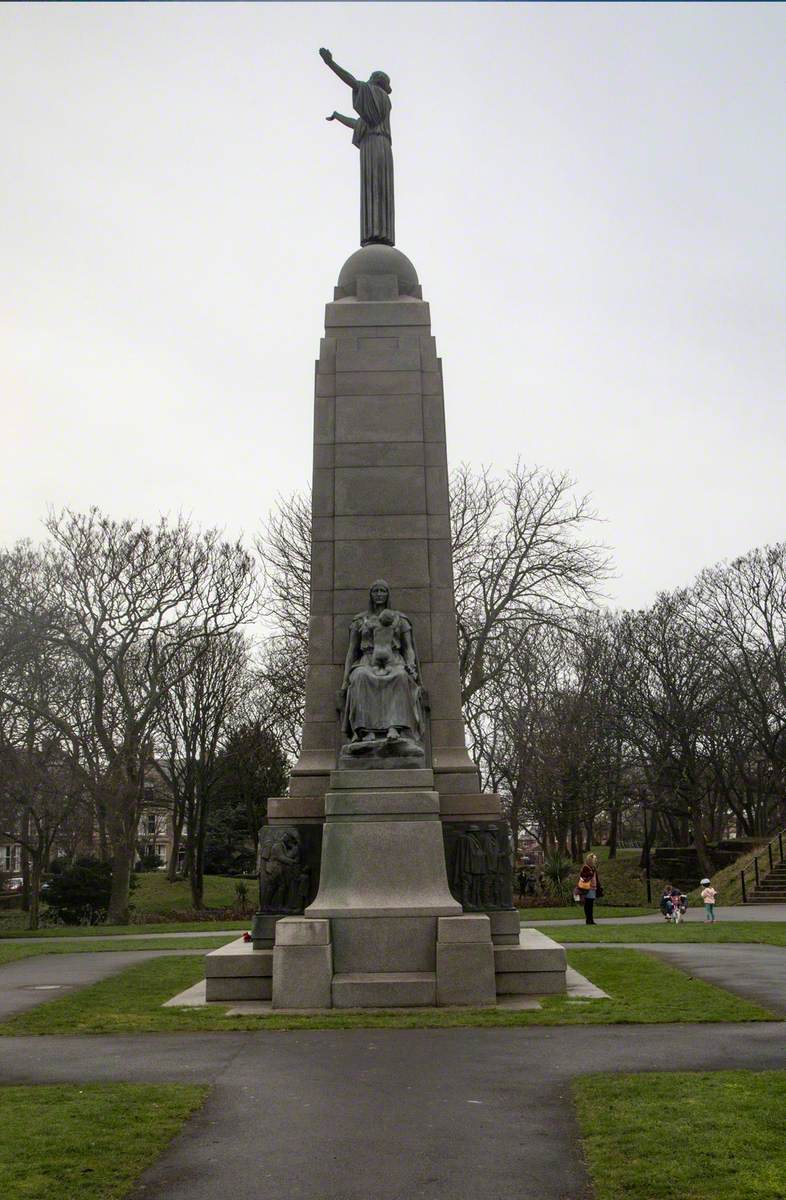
372 137
383 690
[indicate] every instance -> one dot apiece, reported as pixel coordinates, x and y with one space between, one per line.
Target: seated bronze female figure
381 691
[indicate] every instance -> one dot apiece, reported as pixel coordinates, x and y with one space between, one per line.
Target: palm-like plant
557 872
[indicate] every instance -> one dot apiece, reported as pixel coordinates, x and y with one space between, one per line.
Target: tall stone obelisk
380 509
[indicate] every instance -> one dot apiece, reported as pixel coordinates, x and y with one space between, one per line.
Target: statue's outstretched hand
325 55
332 117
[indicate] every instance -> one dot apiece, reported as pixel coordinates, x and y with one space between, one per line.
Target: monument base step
239 987
536 967
239 972
385 989
530 983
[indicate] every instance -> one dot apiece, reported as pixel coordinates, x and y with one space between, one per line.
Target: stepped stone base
239 972
385 989
467 967
535 967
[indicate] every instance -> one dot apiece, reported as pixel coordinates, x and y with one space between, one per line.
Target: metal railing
777 843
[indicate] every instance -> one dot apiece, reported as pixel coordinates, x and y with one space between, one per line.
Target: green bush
79 894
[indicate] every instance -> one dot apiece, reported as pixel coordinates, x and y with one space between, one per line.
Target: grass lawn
155 894
576 912
731 1141
88 1140
130 1002
765 933
104 931
12 953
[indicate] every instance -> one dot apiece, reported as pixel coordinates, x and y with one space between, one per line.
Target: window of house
151 825
161 852
5 858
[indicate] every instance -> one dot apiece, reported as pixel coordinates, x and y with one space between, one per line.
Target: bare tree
193 722
741 609
521 562
41 790
134 606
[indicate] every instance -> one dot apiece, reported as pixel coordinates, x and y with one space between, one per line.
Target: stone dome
378 260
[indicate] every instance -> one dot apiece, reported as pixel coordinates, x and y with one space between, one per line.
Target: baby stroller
674 906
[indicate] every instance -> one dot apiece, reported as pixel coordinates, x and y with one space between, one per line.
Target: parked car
14 884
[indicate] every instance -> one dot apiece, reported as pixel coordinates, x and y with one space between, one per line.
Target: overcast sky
594 197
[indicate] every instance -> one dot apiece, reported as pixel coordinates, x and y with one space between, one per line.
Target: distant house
10 858
155 830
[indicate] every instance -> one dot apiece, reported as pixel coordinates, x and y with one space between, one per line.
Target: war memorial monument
385 874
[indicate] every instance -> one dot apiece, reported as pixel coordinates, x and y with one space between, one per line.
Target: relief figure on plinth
381 695
283 879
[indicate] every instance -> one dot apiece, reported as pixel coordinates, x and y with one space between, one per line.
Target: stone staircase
771 888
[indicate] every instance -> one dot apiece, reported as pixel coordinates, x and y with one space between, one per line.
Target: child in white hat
708 895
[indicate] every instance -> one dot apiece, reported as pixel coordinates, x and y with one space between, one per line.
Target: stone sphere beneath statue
378 261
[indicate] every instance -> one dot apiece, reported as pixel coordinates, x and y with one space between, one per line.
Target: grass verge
130 1002
15 952
764 933
576 912
86 1140
99 931
731 1140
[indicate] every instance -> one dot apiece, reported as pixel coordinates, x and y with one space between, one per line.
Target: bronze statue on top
381 695
371 134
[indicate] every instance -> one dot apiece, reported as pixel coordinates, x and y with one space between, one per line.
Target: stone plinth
382 856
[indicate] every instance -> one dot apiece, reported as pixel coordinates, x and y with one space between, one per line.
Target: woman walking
589 888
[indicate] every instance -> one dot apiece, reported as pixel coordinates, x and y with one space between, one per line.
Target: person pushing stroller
673 904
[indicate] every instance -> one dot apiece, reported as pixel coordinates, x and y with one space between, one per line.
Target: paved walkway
732 912
383 1114
756 973
32 981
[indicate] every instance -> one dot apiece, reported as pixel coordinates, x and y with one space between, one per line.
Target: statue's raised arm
327 59
371 135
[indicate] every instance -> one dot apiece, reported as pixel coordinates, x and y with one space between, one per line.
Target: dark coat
586 874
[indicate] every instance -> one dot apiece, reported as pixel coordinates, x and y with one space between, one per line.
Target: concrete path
383 1114
32 981
756 973
732 912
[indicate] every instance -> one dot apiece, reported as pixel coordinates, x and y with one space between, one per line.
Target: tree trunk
700 842
177 836
103 843
197 872
590 835
36 870
122 866
614 831
25 862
